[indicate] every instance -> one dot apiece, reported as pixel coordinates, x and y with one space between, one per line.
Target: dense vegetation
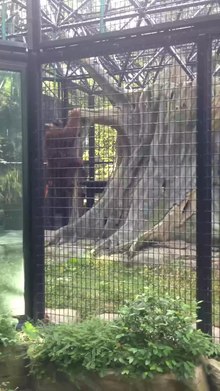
151 336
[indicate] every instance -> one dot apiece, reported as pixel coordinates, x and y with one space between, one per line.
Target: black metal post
90 192
33 24
65 101
204 183
34 269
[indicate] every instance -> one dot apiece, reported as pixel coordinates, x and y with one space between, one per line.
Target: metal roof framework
73 19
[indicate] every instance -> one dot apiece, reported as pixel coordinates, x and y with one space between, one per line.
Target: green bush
152 336
11 188
8 335
156 335
73 349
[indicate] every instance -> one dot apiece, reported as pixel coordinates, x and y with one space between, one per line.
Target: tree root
175 218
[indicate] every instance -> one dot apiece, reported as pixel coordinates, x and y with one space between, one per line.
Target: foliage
72 348
7 150
2 142
5 386
10 116
105 151
105 144
11 188
105 283
152 336
105 136
155 335
7 331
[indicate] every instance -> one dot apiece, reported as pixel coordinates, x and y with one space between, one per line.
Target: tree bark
151 194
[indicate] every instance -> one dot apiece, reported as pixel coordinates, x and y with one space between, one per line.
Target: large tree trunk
155 175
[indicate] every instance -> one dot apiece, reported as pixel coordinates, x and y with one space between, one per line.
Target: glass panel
11 214
13 20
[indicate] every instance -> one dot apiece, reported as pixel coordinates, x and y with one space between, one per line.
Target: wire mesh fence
130 156
120 181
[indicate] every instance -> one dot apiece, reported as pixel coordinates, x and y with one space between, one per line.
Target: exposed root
175 218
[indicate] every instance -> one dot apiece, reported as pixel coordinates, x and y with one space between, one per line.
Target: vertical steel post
65 101
90 191
34 268
204 183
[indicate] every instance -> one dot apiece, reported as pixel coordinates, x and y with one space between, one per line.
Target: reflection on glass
11 235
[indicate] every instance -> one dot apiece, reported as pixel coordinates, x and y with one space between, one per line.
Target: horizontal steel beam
200 22
127 15
12 46
149 37
13 56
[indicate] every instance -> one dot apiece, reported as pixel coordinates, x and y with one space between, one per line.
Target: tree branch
175 218
112 117
115 94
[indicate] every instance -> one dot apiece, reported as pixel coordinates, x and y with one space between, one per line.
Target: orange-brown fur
61 156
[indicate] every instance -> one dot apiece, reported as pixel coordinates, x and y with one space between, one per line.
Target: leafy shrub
7 331
156 335
11 188
88 346
152 336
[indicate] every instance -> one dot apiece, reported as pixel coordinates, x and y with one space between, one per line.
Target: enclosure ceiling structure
77 18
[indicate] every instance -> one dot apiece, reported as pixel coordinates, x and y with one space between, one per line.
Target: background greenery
100 285
10 139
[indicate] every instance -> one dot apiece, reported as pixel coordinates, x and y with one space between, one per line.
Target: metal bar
58 15
102 15
4 15
22 5
26 199
204 183
35 307
170 49
36 288
146 38
133 14
145 67
46 20
53 5
13 46
96 21
91 105
160 66
65 101
90 193
34 24
13 56
181 6
73 13
126 61
201 22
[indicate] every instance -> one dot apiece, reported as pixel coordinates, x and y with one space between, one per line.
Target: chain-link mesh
122 216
